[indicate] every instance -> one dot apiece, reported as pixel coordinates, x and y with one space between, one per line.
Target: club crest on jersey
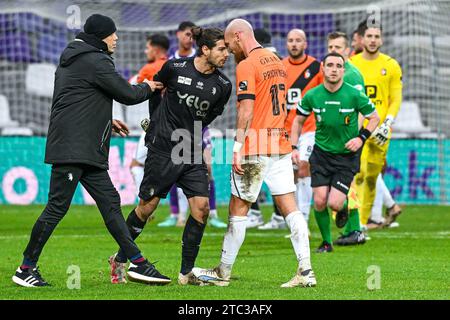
199 85
307 74
383 72
184 80
243 85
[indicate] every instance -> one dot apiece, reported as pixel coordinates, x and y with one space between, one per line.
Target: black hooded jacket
86 82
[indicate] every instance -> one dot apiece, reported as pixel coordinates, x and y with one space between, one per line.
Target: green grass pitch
412 260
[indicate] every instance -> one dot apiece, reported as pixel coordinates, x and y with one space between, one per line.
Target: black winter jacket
86 82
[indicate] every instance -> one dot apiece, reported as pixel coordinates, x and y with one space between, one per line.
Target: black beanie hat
99 26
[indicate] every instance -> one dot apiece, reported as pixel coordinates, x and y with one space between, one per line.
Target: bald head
297 33
296 44
239 25
240 39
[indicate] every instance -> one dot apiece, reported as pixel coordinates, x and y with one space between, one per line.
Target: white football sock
377 207
213 213
304 196
183 204
233 239
254 212
388 201
138 175
299 238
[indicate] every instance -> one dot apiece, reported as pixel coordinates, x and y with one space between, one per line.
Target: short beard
371 52
359 50
213 64
239 56
296 56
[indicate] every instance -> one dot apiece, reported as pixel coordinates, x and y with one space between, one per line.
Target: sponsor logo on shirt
294 96
184 80
371 91
179 64
338 103
243 85
192 101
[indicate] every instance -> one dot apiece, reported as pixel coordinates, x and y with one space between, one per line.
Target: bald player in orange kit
261 153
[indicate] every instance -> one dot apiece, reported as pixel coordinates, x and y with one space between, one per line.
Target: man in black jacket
81 123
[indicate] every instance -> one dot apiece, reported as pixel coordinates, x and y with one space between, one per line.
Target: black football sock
192 236
135 226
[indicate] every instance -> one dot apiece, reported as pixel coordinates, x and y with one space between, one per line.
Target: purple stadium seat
28 22
280 44
5 21
318 24
174 13
255 19
317 47
50 47
282 24
206 11
126 73
136 15
16 47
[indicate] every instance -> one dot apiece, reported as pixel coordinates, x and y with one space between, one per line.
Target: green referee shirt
353 76
336 115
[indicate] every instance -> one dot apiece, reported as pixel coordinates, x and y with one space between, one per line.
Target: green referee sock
323 221
354 219
352 223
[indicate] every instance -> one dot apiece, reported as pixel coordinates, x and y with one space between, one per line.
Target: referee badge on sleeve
347 120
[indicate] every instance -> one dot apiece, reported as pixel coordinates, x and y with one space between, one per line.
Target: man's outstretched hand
120 127
154 85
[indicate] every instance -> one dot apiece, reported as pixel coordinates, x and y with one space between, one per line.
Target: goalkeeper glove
381 134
